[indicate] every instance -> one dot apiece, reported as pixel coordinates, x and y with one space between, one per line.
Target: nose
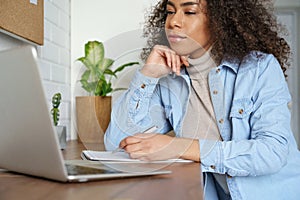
176 20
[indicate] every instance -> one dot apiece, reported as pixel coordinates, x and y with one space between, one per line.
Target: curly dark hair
237 27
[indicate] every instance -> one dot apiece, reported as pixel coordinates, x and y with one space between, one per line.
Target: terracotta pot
92 118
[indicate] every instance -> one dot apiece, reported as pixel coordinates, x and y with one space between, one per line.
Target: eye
190 13
169 12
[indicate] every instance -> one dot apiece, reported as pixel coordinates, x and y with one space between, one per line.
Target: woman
214 73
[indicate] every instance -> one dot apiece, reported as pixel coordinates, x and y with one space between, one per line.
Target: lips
176 37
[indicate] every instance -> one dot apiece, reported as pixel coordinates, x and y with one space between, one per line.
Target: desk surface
185 182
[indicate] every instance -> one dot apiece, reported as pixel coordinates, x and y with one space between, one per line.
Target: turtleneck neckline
201 65
202 59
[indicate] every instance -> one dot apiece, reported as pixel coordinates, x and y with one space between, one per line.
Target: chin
186 49
180 50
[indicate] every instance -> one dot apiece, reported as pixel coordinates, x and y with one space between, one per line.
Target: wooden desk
185 182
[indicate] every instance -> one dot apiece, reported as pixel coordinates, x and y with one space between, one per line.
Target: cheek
199 33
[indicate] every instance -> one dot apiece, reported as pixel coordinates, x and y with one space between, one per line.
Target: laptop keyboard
81 170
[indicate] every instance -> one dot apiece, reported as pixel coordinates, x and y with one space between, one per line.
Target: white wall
289 3
54 56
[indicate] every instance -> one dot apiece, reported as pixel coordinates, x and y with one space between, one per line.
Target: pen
148 130
151 129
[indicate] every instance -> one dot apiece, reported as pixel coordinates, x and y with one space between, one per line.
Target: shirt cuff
212 156
144 84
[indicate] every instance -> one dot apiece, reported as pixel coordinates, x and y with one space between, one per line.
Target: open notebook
120 156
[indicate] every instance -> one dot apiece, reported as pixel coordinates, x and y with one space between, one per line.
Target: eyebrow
189 3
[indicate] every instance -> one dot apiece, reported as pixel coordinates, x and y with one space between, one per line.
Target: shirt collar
233 64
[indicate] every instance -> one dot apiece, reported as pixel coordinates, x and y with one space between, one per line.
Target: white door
290 18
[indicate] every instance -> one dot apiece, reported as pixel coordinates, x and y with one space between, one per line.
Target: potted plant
97 81
61 130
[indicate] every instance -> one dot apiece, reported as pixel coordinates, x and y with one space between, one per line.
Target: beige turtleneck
200 121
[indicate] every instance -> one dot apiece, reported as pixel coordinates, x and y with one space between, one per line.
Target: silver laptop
28 143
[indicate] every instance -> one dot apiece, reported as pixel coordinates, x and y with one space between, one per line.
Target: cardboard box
23 19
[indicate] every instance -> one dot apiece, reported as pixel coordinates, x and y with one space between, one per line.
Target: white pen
148 130
151 129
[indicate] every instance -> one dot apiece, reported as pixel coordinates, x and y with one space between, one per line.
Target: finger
168 58
138 155
174 62
142 136
133 148
144 158
178 67
184 60
122 144
129 141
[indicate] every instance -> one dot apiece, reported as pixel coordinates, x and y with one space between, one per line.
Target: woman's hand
162 61
152 146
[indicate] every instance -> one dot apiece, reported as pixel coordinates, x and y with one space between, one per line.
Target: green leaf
109 90
56 99
55 115
118 89
94 53
125 65
98 89
86 86
107 62
85 62
103 88
106 88
86 75
110 72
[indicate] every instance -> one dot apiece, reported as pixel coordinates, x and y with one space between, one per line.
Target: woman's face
187 27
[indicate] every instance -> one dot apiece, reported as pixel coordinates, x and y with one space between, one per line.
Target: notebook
28 142
121 156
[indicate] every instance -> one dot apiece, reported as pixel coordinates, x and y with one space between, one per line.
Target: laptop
28 142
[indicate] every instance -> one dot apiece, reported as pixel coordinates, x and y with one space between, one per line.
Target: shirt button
218 70
213 167
215 92
221 121
241 111
143 86
228 176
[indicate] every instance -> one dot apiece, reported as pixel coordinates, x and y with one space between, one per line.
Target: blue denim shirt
258 153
